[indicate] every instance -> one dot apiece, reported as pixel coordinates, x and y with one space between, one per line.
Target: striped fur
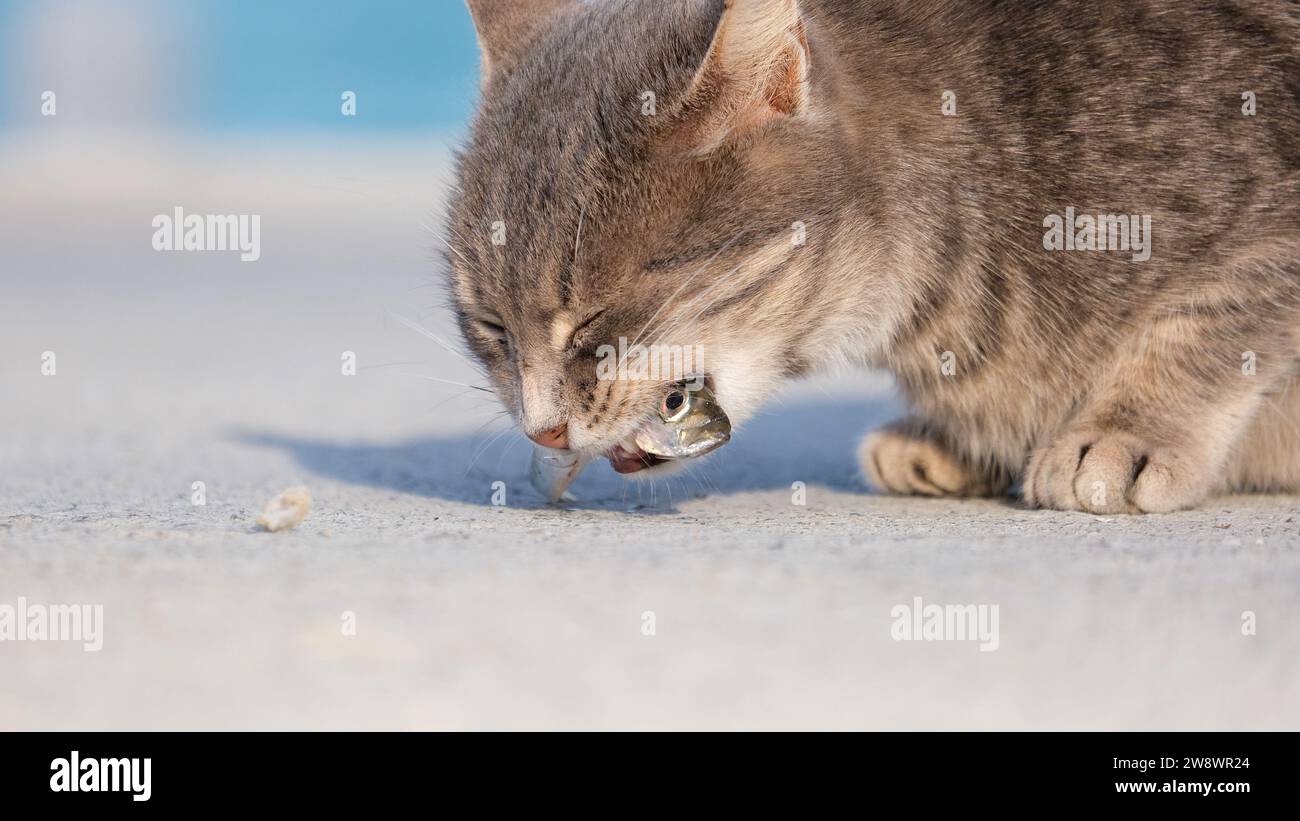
1098 382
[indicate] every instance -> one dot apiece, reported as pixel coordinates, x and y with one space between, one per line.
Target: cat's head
635 208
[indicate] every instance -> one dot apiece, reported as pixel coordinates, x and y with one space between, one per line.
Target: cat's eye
493 330
576 338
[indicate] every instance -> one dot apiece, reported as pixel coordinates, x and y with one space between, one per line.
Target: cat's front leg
908 458
1157 434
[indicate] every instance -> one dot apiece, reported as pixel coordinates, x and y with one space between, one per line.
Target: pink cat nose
557 437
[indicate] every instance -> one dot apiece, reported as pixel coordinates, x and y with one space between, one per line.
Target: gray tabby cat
918 185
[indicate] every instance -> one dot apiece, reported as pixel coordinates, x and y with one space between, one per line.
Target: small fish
689 422
552 471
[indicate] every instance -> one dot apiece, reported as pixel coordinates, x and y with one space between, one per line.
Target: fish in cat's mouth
688 423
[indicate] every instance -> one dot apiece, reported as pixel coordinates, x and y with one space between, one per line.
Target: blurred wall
259 66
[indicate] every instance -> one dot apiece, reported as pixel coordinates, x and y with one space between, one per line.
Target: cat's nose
557 437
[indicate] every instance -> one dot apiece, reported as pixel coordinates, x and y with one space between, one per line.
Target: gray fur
1099 382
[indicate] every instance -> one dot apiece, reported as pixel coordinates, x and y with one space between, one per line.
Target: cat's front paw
1102 471
897 459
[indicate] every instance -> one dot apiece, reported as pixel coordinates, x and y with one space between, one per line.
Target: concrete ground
176 368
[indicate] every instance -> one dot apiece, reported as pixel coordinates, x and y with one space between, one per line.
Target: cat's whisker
451 229
459 238
453 397
710 295
415 326
508 449
450 247
483 448
493 418
388 365
686 281
577 240
447 381
672 325
694 314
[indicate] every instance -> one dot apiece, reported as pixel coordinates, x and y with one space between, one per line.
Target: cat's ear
505 26
755 71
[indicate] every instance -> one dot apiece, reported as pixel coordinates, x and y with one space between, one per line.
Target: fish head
688 423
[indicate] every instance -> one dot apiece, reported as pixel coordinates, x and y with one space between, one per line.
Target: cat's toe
899 463
1105 473
1170 480
1113 472
1049 480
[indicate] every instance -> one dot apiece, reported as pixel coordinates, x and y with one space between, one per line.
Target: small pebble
286 510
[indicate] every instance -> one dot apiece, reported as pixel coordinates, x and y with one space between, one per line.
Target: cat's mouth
688 423
625 459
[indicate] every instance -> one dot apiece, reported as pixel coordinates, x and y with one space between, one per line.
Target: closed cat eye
577 332
492 329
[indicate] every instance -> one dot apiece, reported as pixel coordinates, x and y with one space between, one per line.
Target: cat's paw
1114 472
897 461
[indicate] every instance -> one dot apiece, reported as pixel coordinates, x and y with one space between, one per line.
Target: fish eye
674 405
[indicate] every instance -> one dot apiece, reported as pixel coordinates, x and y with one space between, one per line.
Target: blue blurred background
239 65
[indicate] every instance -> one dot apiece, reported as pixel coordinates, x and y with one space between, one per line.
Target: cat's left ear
504 28
756 71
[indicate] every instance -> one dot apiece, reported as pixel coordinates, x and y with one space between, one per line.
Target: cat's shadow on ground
812 442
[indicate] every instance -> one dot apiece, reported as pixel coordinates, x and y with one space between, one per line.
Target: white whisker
687 281
415 326
446 381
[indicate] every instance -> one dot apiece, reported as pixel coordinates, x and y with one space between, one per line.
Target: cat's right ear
504 27
755 72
